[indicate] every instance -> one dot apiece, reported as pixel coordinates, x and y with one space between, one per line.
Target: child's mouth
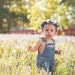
49 35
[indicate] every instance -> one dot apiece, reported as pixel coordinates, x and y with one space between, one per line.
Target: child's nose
49 31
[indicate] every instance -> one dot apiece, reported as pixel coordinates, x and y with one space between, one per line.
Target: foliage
15 59
13 11
48 9
71 6
20 14
70 3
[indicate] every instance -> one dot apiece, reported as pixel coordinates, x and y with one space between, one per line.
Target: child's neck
48 39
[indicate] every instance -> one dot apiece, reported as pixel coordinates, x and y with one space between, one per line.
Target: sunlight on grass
15 59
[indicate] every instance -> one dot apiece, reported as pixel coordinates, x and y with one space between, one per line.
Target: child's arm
36 47
58 52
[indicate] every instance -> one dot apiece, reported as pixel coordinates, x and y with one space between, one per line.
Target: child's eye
47 30
51 30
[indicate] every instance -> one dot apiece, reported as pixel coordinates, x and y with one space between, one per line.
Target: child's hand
58 52
29 48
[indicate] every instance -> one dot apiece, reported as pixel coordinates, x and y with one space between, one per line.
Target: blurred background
25 16
18 18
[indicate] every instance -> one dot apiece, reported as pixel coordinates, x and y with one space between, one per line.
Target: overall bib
46 60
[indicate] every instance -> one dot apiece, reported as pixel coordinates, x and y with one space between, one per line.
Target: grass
15 59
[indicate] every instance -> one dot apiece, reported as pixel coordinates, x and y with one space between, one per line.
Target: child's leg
50 73
51 70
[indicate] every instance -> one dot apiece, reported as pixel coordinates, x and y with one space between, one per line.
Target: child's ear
42 30
56 33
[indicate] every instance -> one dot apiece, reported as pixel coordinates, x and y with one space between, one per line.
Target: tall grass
15 59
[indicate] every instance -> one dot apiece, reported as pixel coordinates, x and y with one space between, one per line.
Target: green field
15 59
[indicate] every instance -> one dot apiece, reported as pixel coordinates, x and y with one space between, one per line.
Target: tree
13 14
48 9
3 15
71 12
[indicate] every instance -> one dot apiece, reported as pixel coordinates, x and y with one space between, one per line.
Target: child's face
49 30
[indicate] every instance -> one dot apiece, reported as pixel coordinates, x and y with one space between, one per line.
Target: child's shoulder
43 39
39 39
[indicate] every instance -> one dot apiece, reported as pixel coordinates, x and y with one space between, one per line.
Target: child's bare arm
35 47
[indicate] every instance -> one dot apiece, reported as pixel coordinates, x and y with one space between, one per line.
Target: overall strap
43 39
53 40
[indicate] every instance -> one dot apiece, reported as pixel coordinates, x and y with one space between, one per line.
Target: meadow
15 59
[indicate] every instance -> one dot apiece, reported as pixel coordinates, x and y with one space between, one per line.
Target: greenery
20 14
15 59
